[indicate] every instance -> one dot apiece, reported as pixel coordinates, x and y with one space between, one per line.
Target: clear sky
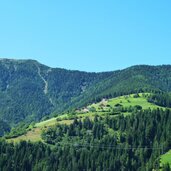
89 35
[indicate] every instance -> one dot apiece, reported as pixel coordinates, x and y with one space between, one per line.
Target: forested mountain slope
30 90
140 78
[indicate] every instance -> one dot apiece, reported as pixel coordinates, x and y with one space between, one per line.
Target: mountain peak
17 60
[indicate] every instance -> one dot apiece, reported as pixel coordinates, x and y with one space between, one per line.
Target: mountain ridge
114 70
30 90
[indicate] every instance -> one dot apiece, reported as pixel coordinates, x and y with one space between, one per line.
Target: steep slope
29 90
21 94
142 78
65 85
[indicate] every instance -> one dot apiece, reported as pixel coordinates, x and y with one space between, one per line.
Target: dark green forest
23 94
129 143
161 98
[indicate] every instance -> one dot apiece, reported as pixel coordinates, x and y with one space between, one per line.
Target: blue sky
89 35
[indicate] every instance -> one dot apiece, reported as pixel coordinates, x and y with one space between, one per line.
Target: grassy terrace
126 101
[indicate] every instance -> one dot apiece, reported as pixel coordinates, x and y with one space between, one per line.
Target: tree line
106 143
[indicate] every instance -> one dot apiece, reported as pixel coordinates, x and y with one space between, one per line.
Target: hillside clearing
102 108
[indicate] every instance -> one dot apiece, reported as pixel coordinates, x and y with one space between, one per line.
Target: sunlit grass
102 108
166 158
